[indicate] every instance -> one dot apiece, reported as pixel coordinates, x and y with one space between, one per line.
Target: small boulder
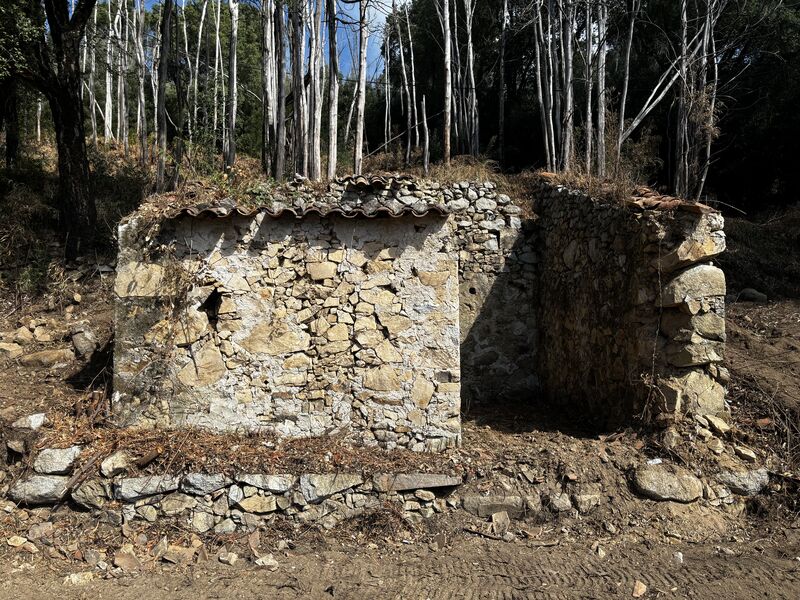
116 463
667 482
39 489
745 482
9 350
134 488
84 341
92 493
32 422
22 336
48 358
56 461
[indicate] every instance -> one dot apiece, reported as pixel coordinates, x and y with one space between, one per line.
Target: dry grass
192 450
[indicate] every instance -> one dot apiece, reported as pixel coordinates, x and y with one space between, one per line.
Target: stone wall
497 266
631 312
301 327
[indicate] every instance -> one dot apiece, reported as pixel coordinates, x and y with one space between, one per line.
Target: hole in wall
211 306
473 291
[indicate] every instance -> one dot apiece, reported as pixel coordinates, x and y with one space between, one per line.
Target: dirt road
469 568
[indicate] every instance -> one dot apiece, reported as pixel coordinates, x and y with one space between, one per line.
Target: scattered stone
268 562
318 487
228 558
588 497
84 342
639 589
48 358
225 526
80 578
9 351
202 522
425 495
22 336
667 482
718 425
116 463
33 422
745 482
745 453
559 501
39 489
716 445
178 555
15 541
126 560
500 523
56 461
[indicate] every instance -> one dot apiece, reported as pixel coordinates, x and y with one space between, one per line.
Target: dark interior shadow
502 347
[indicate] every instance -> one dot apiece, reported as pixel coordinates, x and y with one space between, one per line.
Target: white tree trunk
91 41
108 128
589 85
230 153
315 112
141 73
567 29
333 90
363 40
448 82
634 12
413 77
300 131
406 91
602 27
426 139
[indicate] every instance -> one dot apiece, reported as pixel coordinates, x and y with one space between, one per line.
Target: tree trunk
141 74
10 117
230 154
474 139
161 110
91 42
280 116
568 26
426 141
315 93
635 4
501 103
602 28
448 81
413 77
681 145
333 89
108 111
299 119
193 119
267 81
363 39
589 85
406 90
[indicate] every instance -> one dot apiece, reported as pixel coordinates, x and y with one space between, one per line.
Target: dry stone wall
297 326
631 310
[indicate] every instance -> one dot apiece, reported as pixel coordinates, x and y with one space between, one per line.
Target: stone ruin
379 307
375 311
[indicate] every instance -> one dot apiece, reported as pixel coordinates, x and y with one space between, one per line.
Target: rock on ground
56 461
38 489
667 482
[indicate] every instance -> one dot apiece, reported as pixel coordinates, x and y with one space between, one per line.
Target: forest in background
695 97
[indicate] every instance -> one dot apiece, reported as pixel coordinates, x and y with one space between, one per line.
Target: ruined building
382 306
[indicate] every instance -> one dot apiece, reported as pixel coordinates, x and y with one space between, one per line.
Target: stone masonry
631 311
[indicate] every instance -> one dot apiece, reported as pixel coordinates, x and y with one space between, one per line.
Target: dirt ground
469 568
745 550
